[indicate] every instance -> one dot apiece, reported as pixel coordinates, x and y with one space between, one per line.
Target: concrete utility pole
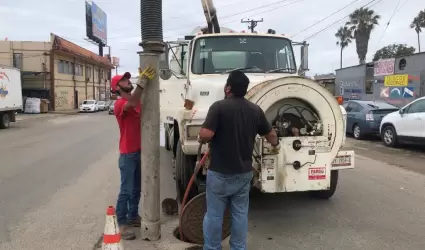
252 23
153 45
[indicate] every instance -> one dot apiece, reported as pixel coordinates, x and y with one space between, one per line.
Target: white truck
10 95
308 161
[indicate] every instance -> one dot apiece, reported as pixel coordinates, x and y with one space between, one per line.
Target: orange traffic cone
111 235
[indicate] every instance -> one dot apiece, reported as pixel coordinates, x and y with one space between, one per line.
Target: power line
326 18
258 13
238 13
332 24
389 20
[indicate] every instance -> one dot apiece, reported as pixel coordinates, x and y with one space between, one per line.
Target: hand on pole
145 75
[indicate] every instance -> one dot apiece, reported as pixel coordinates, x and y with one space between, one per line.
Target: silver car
101 105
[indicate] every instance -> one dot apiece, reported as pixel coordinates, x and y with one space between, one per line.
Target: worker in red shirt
127 112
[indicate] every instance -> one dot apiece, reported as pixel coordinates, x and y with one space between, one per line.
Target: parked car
364 117
107 104
101 105
89 106
406 126
111 108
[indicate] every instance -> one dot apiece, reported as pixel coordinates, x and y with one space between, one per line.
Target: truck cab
199 72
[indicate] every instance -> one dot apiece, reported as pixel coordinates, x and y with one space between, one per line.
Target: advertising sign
99 23
115 61
384 67
396 80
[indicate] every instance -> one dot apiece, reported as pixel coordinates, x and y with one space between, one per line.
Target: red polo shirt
129 124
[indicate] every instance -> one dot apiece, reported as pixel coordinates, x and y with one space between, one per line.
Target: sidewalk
51 114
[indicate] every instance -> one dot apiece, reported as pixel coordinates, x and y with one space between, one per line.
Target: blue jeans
129 196
226 190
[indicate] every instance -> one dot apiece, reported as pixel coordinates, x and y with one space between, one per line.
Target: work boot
136 222
126 233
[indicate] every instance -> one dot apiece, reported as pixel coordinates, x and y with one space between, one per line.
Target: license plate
342 161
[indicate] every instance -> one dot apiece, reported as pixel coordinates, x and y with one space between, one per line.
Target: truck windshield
252 54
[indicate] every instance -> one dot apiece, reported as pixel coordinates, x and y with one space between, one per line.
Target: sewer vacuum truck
309 121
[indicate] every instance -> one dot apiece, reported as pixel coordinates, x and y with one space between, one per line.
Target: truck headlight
192 132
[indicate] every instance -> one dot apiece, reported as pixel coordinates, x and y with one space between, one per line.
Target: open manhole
192 218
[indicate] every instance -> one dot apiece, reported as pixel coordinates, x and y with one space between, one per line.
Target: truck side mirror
164 65
304 57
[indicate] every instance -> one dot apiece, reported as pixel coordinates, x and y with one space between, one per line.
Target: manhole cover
192 218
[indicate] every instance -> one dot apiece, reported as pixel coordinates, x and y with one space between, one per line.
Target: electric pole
153 45
252 23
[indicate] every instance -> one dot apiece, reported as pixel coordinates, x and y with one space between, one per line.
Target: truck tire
4 120
326 194
185 165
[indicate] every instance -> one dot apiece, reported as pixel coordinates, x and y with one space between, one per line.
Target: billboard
96 23
384 67
115 61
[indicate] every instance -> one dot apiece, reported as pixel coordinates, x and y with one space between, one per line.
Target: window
102 75
89 102
369 86
61 66
89 72
354 107
17 60
417 107
214 55
71 68
66 67
285 59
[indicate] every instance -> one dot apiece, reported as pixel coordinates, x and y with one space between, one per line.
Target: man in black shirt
230 127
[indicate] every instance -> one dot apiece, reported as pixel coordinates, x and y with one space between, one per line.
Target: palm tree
362 22
418 23
344 36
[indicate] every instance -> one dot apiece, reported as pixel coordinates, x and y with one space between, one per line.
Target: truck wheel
4 120
185 165
326 194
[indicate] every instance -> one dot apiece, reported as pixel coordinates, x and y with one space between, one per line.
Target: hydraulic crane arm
211 16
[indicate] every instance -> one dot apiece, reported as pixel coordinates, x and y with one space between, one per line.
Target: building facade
397 80
58 70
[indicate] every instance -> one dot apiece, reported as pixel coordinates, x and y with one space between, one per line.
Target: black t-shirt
236 122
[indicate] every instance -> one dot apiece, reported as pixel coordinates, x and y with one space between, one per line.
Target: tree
418 23
362 21
393 50
345 37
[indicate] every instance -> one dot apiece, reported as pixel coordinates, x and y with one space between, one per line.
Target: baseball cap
116 79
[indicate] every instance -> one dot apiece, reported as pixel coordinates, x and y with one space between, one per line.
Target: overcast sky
34 20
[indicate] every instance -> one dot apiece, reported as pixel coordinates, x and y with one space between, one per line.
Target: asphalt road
58 175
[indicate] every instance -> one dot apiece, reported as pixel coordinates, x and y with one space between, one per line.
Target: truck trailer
10 95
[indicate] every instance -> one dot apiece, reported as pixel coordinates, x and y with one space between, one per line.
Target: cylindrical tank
271 95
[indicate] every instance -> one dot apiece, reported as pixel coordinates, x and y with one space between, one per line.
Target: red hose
189 185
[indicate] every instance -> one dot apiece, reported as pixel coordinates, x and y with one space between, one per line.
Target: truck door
171 98
413 120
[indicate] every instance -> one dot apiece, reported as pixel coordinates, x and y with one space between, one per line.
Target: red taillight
340 99
369 116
